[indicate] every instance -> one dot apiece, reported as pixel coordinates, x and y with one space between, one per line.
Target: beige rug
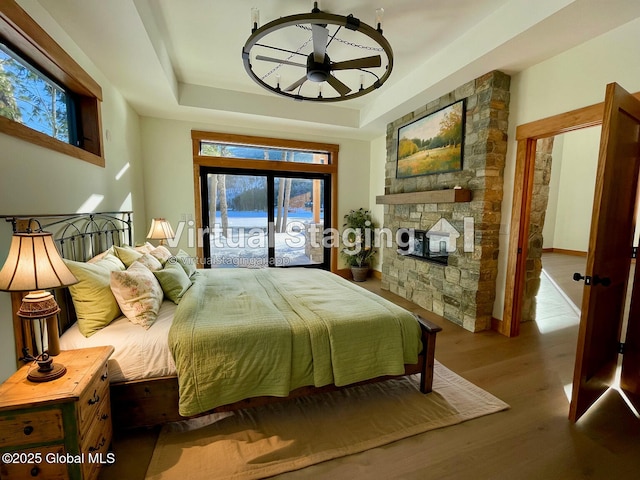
265 441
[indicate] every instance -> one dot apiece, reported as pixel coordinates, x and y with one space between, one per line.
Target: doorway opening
560 220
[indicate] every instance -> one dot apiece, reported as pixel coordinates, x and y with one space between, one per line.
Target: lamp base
47 370
57 371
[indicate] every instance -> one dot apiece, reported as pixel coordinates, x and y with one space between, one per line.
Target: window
258 152
30 98
46 98
263 201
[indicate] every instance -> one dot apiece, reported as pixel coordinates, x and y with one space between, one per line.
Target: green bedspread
240 333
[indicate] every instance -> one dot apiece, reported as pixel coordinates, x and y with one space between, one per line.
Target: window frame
24 36
274 166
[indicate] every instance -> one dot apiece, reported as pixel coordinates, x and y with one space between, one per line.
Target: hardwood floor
532 440
561 267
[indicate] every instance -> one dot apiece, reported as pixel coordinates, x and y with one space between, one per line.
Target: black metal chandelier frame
316 71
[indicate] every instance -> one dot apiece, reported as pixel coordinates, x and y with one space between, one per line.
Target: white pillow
138 294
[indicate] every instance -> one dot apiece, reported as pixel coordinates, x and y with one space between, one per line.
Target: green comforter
240 333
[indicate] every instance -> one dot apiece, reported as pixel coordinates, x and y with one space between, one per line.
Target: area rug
264 441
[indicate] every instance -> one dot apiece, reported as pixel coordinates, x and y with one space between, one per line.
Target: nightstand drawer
43 469
31 427
91 401
95 446
102 416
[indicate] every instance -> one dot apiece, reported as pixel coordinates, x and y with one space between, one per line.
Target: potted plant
359 241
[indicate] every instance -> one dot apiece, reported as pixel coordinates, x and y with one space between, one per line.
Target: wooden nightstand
59 429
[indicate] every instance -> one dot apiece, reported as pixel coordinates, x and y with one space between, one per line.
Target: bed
309 339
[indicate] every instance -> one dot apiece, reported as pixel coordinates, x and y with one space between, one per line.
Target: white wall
574 189
35 180
571 80
168 168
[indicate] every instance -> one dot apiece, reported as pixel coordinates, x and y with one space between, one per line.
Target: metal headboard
80 236
77 236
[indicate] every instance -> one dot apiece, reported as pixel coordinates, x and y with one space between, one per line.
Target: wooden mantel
450 195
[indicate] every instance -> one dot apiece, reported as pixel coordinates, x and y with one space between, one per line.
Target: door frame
526 136
207 161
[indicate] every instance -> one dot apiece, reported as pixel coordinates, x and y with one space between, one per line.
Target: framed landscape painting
432 144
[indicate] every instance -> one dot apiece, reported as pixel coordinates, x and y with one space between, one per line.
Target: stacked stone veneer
539 202
464 290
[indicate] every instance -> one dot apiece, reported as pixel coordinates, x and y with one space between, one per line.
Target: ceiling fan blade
320 37
364 62
277 60
339 87
296 84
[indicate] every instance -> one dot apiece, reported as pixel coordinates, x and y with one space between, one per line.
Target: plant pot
360 274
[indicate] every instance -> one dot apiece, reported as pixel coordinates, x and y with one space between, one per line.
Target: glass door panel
299 221
238 220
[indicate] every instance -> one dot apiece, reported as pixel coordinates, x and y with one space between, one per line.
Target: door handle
595 280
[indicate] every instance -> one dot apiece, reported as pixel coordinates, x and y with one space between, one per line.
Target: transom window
259 152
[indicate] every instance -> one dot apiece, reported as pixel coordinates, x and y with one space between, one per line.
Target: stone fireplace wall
464 290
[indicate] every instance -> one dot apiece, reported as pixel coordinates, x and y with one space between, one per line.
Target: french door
262 218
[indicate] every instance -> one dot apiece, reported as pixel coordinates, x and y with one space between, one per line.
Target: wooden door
630 376
609 256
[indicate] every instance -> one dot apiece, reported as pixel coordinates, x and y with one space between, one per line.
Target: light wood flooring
532 440
560 268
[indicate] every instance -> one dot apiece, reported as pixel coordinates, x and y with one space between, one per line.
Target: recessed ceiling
182 59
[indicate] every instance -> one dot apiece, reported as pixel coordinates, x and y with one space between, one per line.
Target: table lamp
34 264
160 230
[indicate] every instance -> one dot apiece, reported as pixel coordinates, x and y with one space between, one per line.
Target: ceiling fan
319 66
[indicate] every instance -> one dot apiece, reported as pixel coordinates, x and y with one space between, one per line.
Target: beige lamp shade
160 230
34 263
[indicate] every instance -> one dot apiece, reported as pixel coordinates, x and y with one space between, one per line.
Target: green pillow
128 255
188 263
174 281
93 300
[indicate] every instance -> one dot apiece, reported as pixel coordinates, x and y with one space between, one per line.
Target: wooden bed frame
149 402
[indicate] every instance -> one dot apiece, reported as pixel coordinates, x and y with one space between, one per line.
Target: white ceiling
182 58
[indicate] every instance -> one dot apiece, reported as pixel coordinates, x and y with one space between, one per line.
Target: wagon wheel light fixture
269 59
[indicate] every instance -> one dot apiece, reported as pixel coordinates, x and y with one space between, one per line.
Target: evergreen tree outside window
46 97
29 97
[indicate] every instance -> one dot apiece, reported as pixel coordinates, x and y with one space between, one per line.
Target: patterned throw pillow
146 248
162 253
138 293
151 262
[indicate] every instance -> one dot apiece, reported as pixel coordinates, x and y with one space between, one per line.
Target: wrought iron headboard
77 236
80 236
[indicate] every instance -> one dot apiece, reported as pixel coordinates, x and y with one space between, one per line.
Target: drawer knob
95 399
28 430
104 376
35 471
